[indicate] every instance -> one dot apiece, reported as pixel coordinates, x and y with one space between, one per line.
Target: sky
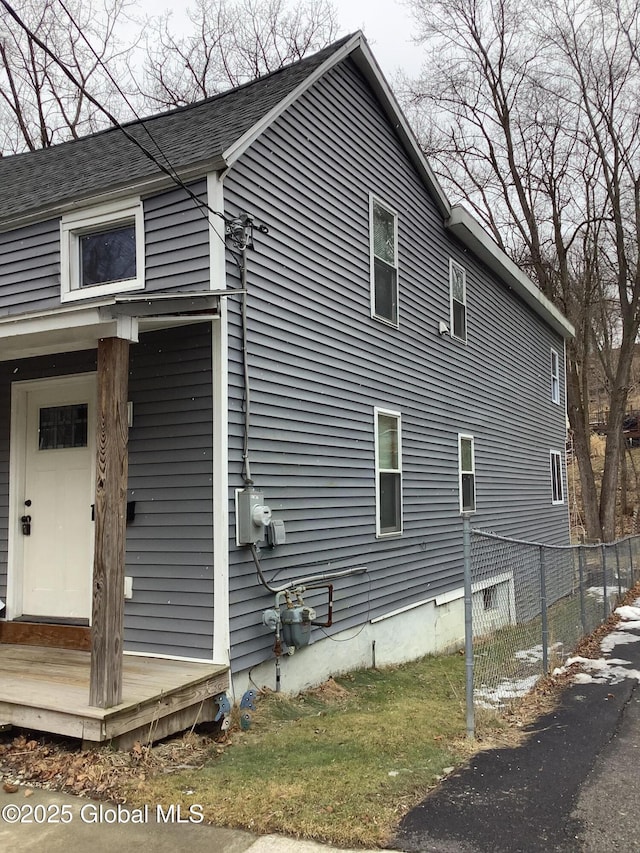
386 24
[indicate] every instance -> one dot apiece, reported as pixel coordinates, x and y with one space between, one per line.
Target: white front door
54 429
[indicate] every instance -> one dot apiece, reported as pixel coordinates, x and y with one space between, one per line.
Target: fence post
468 624
583 609
543 611
631 560
604 581
618 572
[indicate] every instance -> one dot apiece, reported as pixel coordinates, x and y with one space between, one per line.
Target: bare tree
529 110
229 44
39 105
103 47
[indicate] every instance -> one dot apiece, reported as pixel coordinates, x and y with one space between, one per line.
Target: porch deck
48 690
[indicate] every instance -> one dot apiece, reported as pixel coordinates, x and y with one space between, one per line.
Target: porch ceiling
80 327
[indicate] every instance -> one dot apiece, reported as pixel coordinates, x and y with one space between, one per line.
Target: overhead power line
169 169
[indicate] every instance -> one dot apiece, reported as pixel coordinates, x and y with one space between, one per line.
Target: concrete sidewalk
50 822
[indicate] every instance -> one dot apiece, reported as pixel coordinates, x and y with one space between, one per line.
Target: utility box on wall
252 516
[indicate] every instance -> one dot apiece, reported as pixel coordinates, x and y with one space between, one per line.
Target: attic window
102 251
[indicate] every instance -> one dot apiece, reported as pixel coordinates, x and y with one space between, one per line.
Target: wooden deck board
49 689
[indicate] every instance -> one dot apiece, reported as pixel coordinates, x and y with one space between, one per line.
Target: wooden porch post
110 523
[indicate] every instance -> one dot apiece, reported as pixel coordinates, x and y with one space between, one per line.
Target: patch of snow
601 670
534 654
617 638
629 612
628 626
596 592
495 697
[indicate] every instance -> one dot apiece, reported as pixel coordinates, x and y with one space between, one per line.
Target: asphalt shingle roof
187 135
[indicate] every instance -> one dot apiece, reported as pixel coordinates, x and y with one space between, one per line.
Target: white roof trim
357 45
457 220
240 145
469 231
367 64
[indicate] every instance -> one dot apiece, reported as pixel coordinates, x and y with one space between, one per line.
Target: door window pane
63 426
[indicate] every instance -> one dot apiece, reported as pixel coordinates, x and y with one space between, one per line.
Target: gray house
311 363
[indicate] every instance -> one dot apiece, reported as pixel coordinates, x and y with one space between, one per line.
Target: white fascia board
62 330
73 317
231 154
469 231
360 52
366 63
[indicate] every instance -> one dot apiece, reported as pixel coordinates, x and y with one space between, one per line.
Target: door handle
26 525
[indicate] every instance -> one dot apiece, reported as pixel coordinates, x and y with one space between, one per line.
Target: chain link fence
531 604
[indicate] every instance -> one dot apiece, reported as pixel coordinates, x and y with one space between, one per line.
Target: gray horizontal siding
177 240
176 254
169 545
320 364
30 268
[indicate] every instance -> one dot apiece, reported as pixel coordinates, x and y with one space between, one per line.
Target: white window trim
453 264
461 437
87 221
380 411
372 273
557 454
555 377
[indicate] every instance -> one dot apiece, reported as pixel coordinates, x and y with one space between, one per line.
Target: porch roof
79 327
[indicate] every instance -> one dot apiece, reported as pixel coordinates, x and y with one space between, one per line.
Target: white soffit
469 231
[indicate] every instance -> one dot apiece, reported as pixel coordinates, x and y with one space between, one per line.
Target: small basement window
557 492
102 251
490 597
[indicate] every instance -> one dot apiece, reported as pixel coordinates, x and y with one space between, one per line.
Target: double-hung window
467 473
555 377
557 493
388 451
102 250
458 297
383 231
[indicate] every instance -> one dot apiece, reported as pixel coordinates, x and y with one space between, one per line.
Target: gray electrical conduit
326 576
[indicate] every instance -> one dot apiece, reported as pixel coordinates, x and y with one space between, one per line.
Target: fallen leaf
9 788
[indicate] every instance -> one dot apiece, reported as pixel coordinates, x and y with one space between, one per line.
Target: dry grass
341 763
